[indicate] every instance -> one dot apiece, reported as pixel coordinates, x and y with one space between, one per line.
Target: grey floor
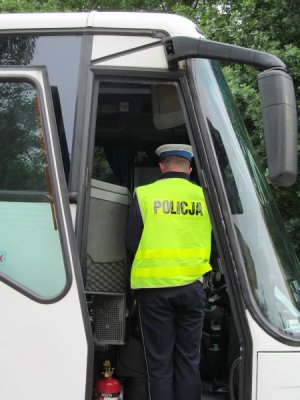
209 394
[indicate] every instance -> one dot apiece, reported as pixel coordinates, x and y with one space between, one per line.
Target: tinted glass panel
21 156
30 250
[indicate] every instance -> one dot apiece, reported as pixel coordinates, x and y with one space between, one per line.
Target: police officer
169 233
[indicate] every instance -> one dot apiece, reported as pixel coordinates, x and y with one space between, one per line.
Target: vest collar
175 175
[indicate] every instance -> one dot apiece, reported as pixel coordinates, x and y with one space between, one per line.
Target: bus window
54 51
30 253
271 264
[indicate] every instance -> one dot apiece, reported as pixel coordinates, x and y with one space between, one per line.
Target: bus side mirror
276 92
278 106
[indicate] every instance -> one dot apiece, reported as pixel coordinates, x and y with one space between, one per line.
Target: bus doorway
130 121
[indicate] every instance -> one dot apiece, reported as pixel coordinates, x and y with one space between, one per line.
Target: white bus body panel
43 349
276 367
171 23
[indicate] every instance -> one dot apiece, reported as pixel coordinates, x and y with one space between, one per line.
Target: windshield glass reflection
271 263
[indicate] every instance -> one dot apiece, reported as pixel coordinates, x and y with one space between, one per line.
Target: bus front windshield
273 269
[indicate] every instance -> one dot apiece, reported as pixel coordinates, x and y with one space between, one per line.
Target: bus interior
131 119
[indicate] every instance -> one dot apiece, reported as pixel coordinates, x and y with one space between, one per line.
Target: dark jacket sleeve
134 227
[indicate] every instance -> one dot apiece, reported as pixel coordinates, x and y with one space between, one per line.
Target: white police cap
182 150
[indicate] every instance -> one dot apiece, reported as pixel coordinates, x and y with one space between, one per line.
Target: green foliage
266 26
99 5
12 6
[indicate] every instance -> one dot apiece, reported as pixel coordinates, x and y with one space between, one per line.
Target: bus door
131 117
44 348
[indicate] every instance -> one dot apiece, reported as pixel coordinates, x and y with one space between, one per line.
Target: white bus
85 98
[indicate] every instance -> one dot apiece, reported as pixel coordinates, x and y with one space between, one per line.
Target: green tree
267 26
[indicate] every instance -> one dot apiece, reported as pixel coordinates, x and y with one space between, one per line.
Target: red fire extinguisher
107 388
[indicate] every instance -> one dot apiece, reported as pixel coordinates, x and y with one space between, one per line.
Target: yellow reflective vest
175 246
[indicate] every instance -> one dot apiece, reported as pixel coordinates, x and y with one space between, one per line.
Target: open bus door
45 336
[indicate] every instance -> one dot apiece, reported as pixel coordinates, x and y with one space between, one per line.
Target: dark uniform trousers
171 323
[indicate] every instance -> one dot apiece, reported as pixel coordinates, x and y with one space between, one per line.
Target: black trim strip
87 31
84 78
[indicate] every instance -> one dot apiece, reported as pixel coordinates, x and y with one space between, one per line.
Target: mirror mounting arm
181 47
